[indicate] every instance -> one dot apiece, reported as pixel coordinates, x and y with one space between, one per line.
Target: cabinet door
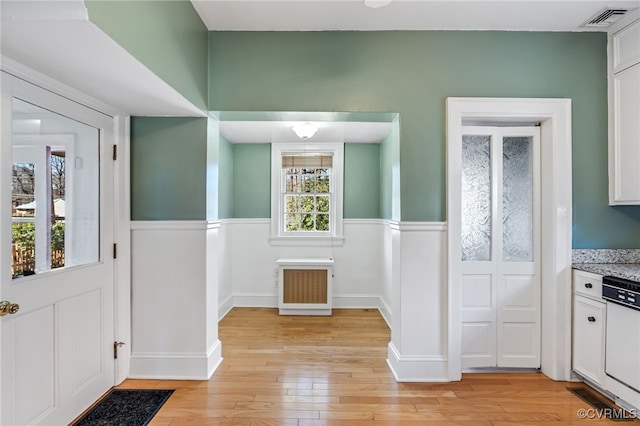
626 47
626 136
588 338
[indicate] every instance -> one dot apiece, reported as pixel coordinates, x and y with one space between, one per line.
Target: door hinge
115 251
116 345
115 152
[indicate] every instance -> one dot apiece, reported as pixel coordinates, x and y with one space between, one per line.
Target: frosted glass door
500 284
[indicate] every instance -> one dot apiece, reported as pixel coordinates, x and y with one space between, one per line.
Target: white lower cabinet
589 318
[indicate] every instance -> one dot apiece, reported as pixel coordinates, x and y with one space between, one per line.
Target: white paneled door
500 247
56 197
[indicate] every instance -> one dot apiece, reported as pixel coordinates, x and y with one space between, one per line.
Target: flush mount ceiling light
376 3
305 131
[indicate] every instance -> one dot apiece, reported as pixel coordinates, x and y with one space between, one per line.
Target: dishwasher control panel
621 291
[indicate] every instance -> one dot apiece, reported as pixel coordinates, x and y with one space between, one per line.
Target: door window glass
55 191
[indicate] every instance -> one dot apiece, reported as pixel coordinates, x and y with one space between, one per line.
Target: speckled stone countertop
622 263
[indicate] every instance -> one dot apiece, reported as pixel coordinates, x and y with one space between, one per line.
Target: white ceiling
527 15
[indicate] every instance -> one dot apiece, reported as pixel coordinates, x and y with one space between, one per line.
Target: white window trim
335 234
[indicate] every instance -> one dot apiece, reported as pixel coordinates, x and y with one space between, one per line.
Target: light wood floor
332 371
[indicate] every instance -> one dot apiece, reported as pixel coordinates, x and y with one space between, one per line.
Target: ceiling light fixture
376 3
305 131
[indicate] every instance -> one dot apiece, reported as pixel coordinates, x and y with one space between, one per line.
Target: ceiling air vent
605 18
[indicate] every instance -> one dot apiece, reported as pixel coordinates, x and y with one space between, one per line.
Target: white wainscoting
174 300
418 347
398 268
252 268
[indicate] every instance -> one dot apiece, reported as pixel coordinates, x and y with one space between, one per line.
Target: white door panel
56 355
500 286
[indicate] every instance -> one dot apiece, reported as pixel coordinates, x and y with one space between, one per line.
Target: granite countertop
629 271
621 263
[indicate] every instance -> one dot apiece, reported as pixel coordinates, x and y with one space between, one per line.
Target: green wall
225 179
412 73
251 180
167 36
361 181
168 168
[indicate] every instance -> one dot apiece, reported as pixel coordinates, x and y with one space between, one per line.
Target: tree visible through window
307 193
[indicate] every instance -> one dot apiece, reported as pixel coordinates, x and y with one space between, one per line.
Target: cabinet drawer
626 47
587 284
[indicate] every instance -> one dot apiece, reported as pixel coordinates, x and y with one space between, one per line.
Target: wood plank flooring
308 371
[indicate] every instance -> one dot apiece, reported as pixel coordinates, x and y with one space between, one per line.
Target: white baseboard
225 307
343 301
255 300
176 366
385 311
417 368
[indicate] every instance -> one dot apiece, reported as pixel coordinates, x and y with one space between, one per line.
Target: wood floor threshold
311 371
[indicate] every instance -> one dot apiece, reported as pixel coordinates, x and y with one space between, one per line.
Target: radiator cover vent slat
305 286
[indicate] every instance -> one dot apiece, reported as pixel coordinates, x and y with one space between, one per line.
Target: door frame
121 209
554 116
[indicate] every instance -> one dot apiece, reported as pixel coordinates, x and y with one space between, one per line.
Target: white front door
500 285
56 227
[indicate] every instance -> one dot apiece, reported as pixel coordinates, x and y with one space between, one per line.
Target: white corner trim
169 225
213 224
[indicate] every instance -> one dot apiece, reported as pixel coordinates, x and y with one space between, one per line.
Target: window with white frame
306 191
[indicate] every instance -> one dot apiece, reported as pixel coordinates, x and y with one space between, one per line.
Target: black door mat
125 407
602 408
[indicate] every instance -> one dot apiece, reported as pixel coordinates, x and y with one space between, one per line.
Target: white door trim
554 116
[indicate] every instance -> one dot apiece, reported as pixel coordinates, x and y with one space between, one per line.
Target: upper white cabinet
624 115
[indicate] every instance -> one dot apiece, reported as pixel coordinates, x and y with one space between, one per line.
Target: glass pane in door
476 198
55 191
517 199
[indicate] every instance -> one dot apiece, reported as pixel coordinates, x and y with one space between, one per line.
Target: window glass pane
292 222
323 203
323 184
308 183
59 159
306 203
476 198
291 204
517 199
308 222
292 182
23 229
322 222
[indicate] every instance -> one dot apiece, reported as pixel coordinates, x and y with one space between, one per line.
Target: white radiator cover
305 286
